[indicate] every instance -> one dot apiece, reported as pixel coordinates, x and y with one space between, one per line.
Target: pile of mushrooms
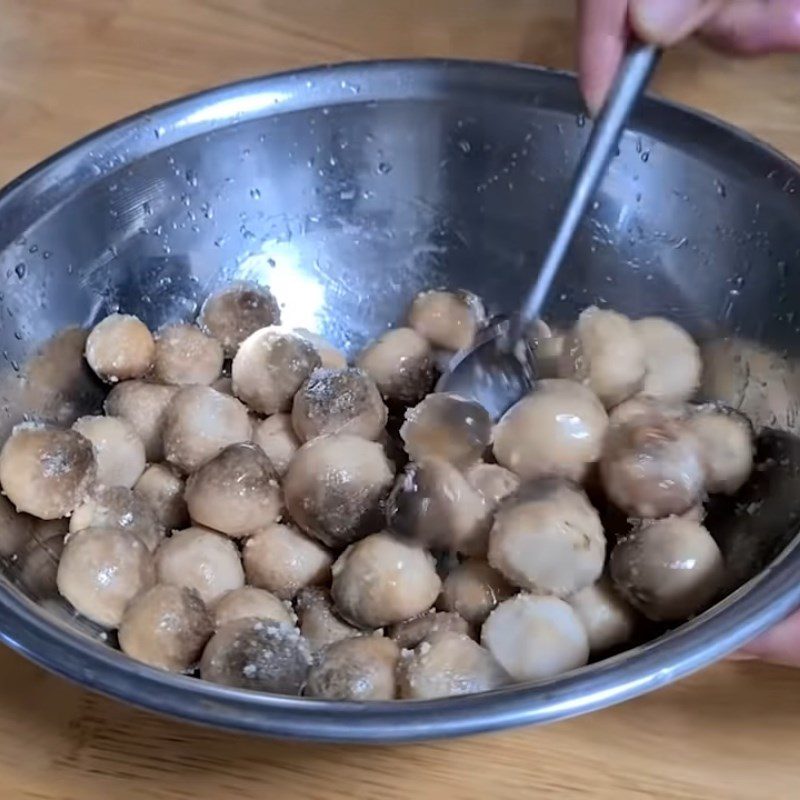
251 509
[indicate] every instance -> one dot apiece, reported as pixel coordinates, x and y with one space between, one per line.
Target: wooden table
69 66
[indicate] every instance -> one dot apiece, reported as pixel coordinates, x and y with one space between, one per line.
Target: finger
781 645
753 27
666 22
602 35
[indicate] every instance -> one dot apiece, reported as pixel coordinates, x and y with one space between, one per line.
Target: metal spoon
500 367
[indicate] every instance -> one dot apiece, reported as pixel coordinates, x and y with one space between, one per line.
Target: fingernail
668 21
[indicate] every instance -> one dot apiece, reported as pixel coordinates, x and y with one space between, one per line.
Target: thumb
666 22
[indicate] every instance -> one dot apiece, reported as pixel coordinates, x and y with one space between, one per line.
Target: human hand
781 645
745 27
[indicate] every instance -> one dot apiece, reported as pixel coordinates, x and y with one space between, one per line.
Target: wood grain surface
70 66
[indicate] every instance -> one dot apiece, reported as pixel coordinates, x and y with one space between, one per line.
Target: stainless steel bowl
346 190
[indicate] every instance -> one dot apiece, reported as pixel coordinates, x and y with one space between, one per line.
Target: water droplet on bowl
384 168
20 269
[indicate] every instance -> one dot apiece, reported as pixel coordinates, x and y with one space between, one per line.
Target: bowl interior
348 190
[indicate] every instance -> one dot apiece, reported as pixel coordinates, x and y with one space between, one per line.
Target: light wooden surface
69 66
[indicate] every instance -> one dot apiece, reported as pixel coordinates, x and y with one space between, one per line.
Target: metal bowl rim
752 609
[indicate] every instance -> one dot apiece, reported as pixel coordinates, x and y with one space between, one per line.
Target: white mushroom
549 539
669 570
200 423
185 355
331 357
450 664
605 353
609 621
166 627
201 560
447 319
401 364
335 488
249 601
236 492
356 669
555 431
493 482
433 504
46 471
120 347
101 571
144 406
448 427
536 637
235 312
381 580
652 466
760 383
118 507
256 654
672 360
319 623
276 437
269 368
413 632
284 560
338 401
726 444
118 449
473 589
162 488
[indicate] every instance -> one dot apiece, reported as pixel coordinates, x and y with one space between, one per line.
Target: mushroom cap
356 669
413 632
448 427
237 311
185 355
448 665
261 655
447 319
284 560
236 492
535 637
200 423
166 627
555 431
269 368
401 363
144 406
381 580
673 367
46 471
609 621
101 571
433 504
669 570
473 589
202 560
248 601
118 507
118 449
120 347
652 466
727 448
548 539
276 437
319 622
605 353
162 488
335 488
335 401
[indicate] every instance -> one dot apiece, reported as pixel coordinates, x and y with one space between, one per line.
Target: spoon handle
631 78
